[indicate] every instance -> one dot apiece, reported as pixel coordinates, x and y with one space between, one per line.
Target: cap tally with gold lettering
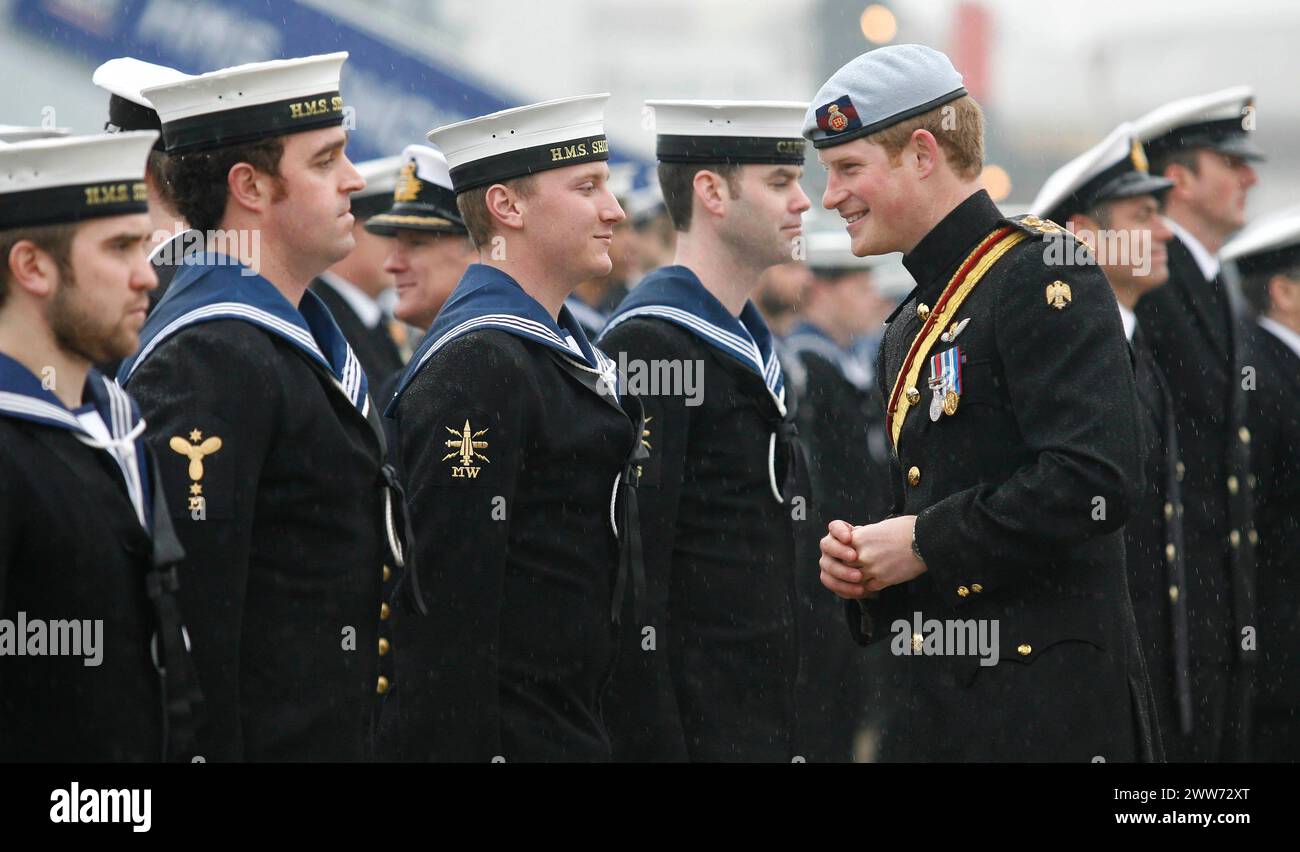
124 79
729 131
524 140
879 89
1114 168
422 199
72 179
246 103
1218 121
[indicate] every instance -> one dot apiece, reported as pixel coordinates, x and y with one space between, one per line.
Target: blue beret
879 89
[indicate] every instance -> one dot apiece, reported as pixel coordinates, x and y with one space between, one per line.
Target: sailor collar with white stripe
219 288
487 297
806 337
24 397
675 294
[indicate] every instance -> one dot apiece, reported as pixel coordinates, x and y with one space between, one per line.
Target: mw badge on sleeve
466 446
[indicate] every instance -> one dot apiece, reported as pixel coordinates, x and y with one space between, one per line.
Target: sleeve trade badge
465 449
838 116
196 449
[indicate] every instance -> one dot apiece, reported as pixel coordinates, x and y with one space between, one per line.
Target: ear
505 206
1182 178
923 150
32 269
248 188
711 192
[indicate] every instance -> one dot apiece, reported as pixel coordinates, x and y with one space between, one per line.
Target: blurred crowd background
1053 78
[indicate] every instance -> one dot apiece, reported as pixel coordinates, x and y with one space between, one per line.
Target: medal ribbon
963 282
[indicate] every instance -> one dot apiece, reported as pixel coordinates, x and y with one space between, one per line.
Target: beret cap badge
838 116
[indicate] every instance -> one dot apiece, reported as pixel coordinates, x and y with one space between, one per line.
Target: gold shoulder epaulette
1035 225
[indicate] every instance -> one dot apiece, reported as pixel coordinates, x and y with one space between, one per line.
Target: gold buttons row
963 591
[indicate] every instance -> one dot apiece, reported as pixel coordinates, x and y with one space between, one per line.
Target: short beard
76 332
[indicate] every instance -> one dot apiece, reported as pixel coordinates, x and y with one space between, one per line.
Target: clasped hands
857 562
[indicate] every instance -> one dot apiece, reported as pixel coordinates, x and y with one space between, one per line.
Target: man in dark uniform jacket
710 675
517 452
1266 258
1001 576
351 288
840 417
1109 199
87 583
1201 144
269 445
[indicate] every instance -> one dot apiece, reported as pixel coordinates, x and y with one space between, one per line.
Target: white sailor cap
422 198
1116 167
10 133
124 78
1216 121
728 131
524 140
249 102
73 178
879 89
1270 244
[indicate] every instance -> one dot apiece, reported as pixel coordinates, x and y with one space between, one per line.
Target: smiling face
96 310
874 197
426 268
765 217
311 219
569 220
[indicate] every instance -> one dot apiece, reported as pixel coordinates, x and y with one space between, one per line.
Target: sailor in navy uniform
1265 258
1203 144
124 79
270 447
1103 195
85 540
720 495
841 418
519 457
352 288
1017 458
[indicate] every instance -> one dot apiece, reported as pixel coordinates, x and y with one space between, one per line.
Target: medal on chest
945 382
